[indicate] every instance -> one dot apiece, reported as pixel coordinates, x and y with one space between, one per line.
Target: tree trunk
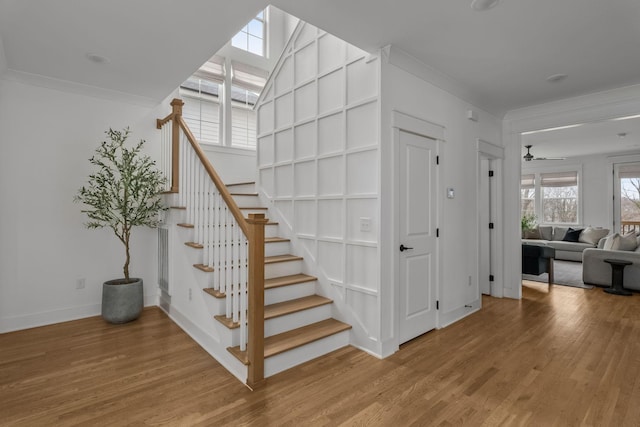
126 264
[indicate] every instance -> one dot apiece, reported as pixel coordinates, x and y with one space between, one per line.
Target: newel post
255 344
176 104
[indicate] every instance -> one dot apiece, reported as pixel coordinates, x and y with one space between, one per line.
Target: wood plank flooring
559 357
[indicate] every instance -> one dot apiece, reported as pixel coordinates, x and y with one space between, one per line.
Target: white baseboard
34 320
207 342
453 316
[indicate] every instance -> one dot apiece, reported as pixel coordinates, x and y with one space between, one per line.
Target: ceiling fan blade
549 158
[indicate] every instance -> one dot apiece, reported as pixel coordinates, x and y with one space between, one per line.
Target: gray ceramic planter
121 303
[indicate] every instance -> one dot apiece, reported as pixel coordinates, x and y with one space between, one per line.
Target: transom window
552 197
252 36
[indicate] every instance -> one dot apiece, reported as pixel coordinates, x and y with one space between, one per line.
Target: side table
617 277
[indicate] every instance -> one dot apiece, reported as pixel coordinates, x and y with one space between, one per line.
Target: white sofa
597 272
554 237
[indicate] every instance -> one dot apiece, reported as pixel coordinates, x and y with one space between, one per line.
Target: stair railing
233 246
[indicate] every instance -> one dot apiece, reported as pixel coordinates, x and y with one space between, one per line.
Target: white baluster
227 262
243 291
210 223
235 279
216 241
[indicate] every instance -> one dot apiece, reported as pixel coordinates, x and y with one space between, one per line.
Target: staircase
258 313
298 324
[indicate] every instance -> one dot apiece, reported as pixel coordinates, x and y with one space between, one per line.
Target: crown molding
76 88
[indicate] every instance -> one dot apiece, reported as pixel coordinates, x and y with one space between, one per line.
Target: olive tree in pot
123 193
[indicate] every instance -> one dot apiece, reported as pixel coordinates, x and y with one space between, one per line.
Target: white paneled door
418 243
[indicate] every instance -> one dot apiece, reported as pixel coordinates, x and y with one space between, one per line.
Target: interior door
418 243
484 218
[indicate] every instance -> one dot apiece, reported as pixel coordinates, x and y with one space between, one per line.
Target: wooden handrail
253 229
224 192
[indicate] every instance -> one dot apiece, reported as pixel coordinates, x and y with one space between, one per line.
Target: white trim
77 88
490 151
409 123
611 176
414 66
403 122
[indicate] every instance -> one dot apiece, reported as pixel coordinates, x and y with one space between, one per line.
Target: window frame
538 192
246 34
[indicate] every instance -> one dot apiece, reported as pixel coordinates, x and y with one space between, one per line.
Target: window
243 118
559 197
528 194
201 109
251 38
627 209
551 196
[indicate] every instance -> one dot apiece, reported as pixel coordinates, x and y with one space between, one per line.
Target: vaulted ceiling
502 56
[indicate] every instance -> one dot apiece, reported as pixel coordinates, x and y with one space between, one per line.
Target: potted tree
123 193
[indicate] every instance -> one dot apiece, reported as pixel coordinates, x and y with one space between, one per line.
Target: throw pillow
559 232
612 243
593 235
546 232
573 235
532 234
628 242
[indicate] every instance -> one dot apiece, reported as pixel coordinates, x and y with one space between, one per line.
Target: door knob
404 248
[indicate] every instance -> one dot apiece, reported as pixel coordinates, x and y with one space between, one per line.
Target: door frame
596 107
404 122
614 214
494 154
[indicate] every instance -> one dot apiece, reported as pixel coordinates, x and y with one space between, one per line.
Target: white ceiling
586 140
502 55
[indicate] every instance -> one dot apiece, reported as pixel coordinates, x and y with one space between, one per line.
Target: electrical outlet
469 280
365 224
80 283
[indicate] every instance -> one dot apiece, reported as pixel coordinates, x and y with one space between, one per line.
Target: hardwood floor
564 356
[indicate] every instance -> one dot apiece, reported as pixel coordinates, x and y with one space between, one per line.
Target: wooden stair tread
289 340
204 268
194 245
244 194
227 321
281 258
277 282
256 208
178 207
294 306
182 224
275 239
214 293
272 223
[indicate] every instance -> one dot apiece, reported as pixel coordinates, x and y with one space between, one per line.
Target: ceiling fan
528 157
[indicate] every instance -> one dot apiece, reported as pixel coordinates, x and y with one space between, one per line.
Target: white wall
318 167
233 165
47 137
403 91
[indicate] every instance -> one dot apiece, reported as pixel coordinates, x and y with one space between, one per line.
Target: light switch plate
365 224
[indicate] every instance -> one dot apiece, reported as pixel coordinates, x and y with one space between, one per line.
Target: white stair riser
245 188
276 248
271 231
280 269
286 293
247 200
280 324
297 356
